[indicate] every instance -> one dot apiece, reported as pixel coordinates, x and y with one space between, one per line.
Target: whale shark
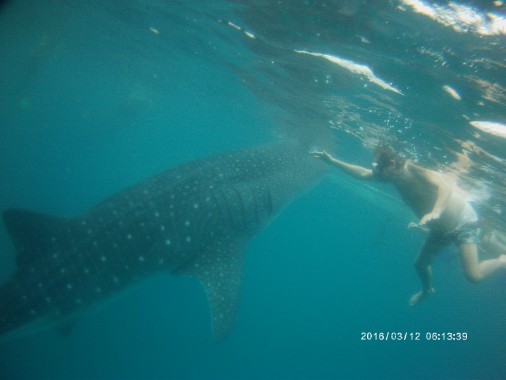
194 219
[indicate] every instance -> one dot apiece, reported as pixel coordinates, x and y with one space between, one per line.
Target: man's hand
433 215
323 155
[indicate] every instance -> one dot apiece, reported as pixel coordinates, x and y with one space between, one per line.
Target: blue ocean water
98 95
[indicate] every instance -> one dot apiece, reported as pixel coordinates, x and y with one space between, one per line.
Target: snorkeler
439 204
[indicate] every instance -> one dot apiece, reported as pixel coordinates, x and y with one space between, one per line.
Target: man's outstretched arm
353 170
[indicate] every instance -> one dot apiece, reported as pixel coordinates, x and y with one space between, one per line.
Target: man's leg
422 265
475 270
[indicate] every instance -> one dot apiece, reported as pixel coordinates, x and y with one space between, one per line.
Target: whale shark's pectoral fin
219 270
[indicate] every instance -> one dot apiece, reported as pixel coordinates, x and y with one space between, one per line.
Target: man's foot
420 296
502 258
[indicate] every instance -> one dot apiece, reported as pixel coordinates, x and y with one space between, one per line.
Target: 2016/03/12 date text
414 336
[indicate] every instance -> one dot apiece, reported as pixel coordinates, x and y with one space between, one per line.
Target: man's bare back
420 188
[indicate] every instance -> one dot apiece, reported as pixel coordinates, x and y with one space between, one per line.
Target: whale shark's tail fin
35 237
32 233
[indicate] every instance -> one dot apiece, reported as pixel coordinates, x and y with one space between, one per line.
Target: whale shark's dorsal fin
219 269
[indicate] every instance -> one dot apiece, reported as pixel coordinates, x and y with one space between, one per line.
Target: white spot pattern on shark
194 219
